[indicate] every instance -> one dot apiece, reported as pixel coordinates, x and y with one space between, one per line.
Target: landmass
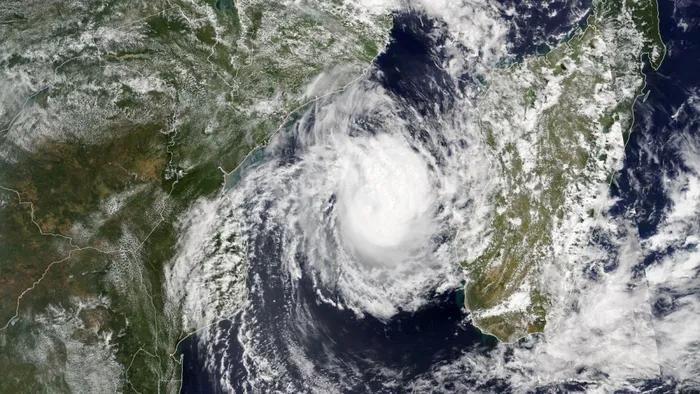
115 118
557 126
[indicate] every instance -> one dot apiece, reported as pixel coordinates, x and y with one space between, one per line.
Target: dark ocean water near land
413 342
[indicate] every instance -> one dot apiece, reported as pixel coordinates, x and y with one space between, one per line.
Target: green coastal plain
115 117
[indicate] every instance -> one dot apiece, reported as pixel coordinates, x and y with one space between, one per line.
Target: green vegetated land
121 116
557 126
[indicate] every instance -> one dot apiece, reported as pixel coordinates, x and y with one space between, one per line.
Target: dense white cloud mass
368 209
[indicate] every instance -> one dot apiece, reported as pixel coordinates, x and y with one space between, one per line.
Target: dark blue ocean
413 342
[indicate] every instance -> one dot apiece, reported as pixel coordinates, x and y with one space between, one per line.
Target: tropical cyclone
385 194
